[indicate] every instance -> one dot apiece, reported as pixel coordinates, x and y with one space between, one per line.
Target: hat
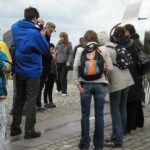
51 26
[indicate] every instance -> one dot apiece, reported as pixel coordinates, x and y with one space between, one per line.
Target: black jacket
135 91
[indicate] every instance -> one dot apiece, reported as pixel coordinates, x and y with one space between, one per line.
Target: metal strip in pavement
17 138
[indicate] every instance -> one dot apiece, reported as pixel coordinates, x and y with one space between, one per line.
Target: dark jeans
98 92
62 77
14 88
49 84
27 91
118 104
14 93
38 101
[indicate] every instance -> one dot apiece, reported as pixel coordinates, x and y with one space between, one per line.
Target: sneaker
32 135
64 94
107 139
15 131
112 145
58 92
40 109
109 144
50 105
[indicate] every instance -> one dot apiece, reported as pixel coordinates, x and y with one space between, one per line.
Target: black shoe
117 146
83 147
98 148
53 105
32 135
15 131
41 109
50 105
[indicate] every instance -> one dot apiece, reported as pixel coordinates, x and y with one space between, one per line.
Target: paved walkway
60 126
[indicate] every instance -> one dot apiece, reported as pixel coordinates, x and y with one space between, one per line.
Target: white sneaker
64 94
58 92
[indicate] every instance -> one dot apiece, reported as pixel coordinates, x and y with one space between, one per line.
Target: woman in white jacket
119 83
87 89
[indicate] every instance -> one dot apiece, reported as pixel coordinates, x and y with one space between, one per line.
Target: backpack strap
109 46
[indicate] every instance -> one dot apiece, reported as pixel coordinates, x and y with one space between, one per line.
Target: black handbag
143 61
143 58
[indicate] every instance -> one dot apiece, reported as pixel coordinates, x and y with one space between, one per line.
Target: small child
5 67
49 84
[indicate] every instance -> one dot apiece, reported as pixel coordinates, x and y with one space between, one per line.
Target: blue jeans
118 105
98 91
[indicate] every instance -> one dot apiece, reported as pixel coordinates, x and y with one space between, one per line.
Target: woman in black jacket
134 107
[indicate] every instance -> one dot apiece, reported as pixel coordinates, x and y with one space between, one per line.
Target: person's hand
67 64
81 89
54 56
43 32
46 79
40 22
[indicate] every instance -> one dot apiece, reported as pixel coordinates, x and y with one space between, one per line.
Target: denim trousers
27 91
118 109
97 90
2 123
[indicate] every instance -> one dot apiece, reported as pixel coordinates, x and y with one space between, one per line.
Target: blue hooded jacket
30 44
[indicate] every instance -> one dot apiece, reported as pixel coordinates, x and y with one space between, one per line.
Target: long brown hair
119 32
66 39
90 36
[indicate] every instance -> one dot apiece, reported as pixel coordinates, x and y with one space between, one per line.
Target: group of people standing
38 63
123 85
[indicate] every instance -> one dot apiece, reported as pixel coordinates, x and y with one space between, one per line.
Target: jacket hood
90 45
125 41
26 24
102 37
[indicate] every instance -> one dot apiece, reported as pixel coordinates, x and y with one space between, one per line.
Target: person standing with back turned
94 87
30 42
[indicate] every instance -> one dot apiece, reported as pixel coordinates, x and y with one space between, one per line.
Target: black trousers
49 84
27 91
62 77
38 101
135 116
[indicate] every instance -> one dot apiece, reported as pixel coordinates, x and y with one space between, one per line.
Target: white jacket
77 63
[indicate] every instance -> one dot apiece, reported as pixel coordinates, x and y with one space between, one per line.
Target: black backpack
124 58
92 64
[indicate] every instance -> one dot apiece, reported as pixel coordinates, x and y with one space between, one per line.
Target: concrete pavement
60 126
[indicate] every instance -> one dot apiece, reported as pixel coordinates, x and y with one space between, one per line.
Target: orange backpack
92 64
